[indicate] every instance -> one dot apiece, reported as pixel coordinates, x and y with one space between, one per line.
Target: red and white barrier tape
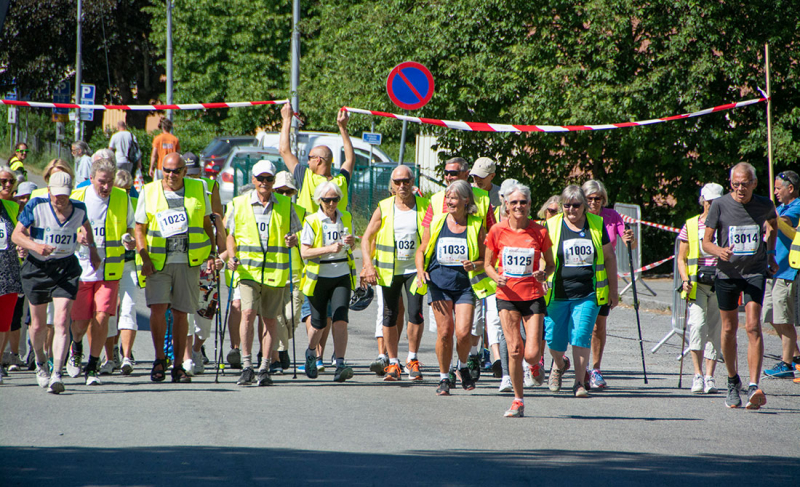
647 267
628 219
500 127
185 106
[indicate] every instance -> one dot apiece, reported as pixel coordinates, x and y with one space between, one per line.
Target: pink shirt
614 225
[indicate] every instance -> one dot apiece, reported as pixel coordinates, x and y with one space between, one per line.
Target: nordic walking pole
291 325
636 305
225 323
683 337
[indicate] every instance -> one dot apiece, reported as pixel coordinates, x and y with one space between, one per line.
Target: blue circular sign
410 85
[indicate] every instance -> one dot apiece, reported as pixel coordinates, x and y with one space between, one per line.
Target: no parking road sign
410 85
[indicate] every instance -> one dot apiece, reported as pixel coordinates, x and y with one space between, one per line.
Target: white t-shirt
121 143
331 232
96 210
406 241
40 219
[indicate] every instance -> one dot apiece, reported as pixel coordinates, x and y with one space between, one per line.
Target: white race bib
331 233
744 239
99 231
172 222
578 252
519 262
3 237
262 222
405 246
62 239
451 251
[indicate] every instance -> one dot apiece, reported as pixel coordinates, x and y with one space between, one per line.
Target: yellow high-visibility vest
116 225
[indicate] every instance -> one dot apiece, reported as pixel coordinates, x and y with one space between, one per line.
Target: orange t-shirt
164 144
518 255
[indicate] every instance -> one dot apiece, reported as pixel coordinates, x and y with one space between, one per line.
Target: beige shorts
705 323
267 300
175 284
780 297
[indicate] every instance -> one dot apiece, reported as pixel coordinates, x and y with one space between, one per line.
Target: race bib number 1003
578 252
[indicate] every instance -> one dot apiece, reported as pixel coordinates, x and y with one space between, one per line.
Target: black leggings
392 297
335 290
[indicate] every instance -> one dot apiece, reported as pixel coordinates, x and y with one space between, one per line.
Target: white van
309 140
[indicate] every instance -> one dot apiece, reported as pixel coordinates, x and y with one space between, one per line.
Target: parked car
213 156
309 140
236 171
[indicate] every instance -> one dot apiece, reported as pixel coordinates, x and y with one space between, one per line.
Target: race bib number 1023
172 222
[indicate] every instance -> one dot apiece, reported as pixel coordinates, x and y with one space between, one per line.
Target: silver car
236 172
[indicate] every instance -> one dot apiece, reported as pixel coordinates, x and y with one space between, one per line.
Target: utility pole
295 82
78 76
170 5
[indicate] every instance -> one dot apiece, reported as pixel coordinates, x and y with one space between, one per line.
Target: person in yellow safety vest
697 269
320 162
456 169
290 317
174 236
449 264
330 275
396 228
110 215
16 161
262 228
580 285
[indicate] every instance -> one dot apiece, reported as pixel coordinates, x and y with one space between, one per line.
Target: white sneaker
107 368
55 386
127 366
505 384
527 377
197 358
92 379
43 376
188 366
710 385
15 362
74 364
697 384
116 358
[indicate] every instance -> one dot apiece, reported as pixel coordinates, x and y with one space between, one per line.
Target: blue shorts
570 321
305 310
457 297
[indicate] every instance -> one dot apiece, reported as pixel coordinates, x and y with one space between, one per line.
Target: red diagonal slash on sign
411 86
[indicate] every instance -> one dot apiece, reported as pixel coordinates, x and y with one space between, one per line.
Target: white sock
461 365
519 399
753 384
443 376
411 356
383 356
474 350
394 361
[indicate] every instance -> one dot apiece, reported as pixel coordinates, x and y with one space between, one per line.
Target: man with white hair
739 220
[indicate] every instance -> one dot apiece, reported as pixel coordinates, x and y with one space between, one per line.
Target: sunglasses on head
269 179
402 181
167 170
571 205
785 177
451 173
335 199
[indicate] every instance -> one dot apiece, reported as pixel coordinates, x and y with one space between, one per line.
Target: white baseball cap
263 167
483 167
284 179
711 191
60 184
26 188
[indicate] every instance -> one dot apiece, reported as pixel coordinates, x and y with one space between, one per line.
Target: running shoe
474 366
567 363
199 367
311 365
517 410
92 378
31 360
235 358
444 388
579 391
15 362
505 385
247 377
392 373
42 375
527 378
276 368
55 386
596 379
285 360
497 369
333 359
379 365
321 365
554 381
264 378
755 397
467 382
127 366
107 368
452 377
781 370
537 374
206 361
412 369
709 386
188 367
116 358
698 383
733 400
343 372
74 363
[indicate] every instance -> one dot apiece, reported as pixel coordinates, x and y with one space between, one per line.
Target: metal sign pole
769 127
403 140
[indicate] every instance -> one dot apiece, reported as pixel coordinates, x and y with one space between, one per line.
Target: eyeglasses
335 199
173 171
285 192
403 181
594 198
572 205
518 202
22 151
452 173
269 179
318 157
3 182
741 184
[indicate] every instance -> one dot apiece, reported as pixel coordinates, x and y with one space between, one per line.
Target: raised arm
349 154
285 145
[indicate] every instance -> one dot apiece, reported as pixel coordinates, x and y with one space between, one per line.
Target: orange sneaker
517 410
412 369
392 373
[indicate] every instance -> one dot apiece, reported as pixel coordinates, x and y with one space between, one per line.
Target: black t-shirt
575 255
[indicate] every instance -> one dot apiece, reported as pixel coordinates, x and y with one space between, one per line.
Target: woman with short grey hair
322 190
83 161
550 208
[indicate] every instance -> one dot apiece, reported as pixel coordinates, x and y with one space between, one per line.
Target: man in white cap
482 174
262 227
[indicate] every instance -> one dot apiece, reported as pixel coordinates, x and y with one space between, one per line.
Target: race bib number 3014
578 252
744 239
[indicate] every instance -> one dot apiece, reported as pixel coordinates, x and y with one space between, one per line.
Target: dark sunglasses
3 182
173 171
24 151
452 173
335 199
269 179
518 202
572 205
403 181
285 192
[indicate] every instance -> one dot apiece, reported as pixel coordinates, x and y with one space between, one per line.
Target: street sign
87 98
371 138
60 130
12 114
410 85
62 94
12 95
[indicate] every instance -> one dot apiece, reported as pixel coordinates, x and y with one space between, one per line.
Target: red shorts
95 297
7 304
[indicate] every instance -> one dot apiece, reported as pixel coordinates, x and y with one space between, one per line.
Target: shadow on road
199 465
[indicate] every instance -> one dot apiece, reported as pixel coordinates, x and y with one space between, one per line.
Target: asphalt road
131 431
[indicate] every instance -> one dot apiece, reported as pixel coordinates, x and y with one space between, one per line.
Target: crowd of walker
74 261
